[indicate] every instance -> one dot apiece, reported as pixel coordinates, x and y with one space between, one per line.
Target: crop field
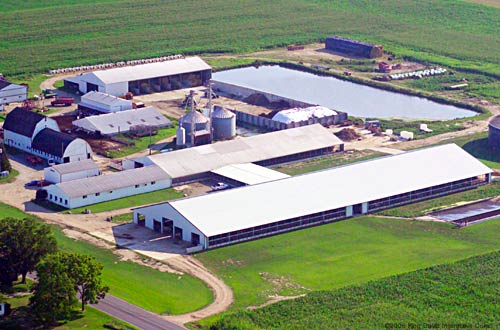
145 287
345 253
462 295
38 35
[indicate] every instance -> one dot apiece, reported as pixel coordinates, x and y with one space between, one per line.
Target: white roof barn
121 122
71 171
10 92
255 149
248 173
117 81
323 196
104 102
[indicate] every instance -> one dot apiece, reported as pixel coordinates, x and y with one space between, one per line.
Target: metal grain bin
494 132
224 123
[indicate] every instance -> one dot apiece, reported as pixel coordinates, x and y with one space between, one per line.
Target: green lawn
11 178
341 254
462 295
33 82
32 44
148 288
142 143
132 201
327 162
123 218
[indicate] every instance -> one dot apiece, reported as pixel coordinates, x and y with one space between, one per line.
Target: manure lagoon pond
356 99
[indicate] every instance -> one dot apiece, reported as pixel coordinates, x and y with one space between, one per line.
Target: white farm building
104 103
71 171
102 188
144 78
40 135
10 93
254 211
122 122
193 164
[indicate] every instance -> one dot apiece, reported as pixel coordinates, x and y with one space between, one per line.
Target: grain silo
197 128
223 123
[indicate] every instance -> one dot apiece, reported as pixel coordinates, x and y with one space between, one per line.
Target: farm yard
35 45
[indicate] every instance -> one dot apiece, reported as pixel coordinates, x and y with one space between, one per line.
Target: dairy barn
144 78
260 210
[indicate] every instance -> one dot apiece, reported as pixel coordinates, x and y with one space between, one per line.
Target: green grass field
41 35
131 201
327 162
463 295
143 142
11 178
148 288
342 254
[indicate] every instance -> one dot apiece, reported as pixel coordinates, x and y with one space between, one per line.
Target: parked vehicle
32 183
219 186
64 101
48 93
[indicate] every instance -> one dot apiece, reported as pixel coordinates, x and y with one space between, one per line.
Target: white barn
193 164
104 103
71 171
103 188
10 93
40 135
21 126
121 122
144 78
254 211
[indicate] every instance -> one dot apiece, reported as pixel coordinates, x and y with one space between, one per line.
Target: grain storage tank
223 123
200 124
494 132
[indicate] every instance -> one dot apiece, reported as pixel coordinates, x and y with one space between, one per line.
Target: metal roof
112 123
249 173
23 121
256 148
53 142
113 181
73 167
104 99
149 70
195 116
303 114
301 195
222 113
495 122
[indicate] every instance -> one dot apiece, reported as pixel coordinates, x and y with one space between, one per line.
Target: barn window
137 186
84 196
97 194
65 202
153 182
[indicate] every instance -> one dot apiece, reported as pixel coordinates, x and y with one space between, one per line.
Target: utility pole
210 128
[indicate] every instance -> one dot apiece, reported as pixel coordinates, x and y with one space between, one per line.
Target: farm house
103 103
71 171
102 188
194 164
353 47
122 122
10 93
316 198
144 78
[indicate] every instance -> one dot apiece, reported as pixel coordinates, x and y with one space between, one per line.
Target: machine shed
71 171
250 212
104 103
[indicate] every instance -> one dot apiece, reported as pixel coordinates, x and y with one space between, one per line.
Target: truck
65 101
48 93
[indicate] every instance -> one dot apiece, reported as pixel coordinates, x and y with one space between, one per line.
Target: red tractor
64 101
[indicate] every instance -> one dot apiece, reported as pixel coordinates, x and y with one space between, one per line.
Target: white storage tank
181 136
223 123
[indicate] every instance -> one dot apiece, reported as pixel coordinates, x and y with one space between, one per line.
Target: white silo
223 123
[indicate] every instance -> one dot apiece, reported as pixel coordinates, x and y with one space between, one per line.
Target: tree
54 292
4 159
86 273
23 243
